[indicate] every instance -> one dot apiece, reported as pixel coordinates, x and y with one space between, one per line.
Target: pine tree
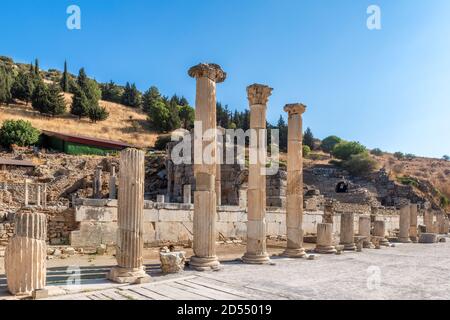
97 113
23 87
187 116
174 120
111 92
48 100
65 86
5 86
308 138
150 98
131 96
80 103
283 131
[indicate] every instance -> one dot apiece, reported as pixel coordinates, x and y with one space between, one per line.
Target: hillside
124 123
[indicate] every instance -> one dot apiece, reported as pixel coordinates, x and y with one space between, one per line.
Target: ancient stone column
405 224
364 230
325 238
379 230
38 195
413 235
26 253
205 166
187 190
130 214
428 217
442 223
347 231
258 96
44 196
112 183
26 192
97 185
328 211
294 192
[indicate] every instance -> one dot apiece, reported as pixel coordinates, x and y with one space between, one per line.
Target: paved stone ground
408 271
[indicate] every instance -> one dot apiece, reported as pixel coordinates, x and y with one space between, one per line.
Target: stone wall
172 222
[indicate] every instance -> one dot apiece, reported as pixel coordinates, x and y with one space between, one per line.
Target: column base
404 240
256 258
294 253
414 239
368 245
325 249
129 275
349 246
204 263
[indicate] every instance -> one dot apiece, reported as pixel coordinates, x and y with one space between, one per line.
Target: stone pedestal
379 230
364 231
26 253
294 192
256 253
205 166
325 239
187 191
172 262
97 184
160 198
112 183
130 268
405 224
413 231
347 231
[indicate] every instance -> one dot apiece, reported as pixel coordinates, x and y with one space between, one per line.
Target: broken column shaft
347 231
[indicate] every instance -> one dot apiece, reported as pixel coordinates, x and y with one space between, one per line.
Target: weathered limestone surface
256 253
428 238
413 232
26 253
97 184
205 169
347 231
379 230
325 239
112 183
130 245
187 191
405 224
294 208
364 230
172 262
428 217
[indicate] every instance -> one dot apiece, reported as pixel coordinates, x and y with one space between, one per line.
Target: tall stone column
44 196
379 231
428 217
347 231
26 253
405 224
97 185
258 96
364 230
112 183
205 168
130 244
325 238
26 192
413 235
294 192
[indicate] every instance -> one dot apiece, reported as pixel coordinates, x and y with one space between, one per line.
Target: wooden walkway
186 288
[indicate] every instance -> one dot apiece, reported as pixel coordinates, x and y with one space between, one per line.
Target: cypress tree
36 68
308 138
23 87
65 79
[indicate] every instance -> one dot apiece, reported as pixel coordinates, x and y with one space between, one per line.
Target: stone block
172 262
428 238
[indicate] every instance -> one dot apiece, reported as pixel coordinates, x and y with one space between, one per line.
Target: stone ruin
26 251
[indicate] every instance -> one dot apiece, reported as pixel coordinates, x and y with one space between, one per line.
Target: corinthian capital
295 108
258 94
208 70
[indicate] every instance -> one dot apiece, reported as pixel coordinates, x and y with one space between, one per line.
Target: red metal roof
109 144
19 163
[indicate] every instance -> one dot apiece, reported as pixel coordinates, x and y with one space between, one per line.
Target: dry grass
124 123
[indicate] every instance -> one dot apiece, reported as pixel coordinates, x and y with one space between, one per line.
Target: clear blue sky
387 88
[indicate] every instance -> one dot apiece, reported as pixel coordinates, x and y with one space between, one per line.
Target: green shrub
306 150
329 143
162 141
445 201
399 155
408 181
410 156
97 113
344 150
377 152
18 132
446 158
360 164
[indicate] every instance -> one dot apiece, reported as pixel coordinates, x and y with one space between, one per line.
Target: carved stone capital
208 70
258 94
295 108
